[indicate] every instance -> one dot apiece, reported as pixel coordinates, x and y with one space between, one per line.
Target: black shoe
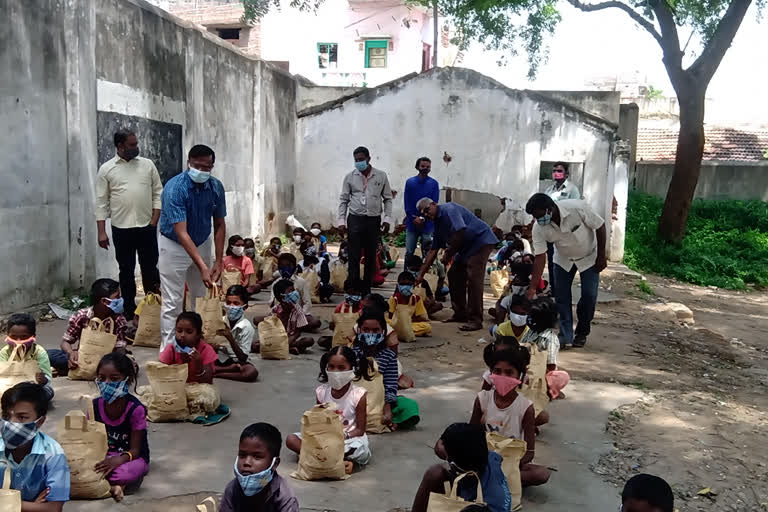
579 341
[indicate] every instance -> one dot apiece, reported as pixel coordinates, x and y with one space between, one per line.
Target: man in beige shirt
128 190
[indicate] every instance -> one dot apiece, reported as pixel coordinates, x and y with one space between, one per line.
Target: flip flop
222 412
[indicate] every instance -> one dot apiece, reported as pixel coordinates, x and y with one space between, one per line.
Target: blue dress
494 484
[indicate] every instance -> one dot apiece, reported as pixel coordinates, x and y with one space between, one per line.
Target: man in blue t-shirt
416 227
191 202
468 241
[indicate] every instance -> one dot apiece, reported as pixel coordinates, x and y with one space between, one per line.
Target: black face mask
130 154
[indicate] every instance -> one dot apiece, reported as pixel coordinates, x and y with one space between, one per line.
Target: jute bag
310 276
431 279
511 451
97 340
10 499
401 321
17 369
209 504
268 267
338 277
344 326
375 401
322 445
169 395
450 501
230 277
535 388
499 279
273 339
84 442
202 399
148 333
209 308
394 253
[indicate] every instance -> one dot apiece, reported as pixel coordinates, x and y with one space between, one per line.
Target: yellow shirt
127 192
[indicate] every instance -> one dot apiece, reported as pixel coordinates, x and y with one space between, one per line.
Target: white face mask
338 380
297 239
518 320
238 251
315 231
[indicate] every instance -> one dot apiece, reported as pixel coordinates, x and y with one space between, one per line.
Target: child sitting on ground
107 304
404 297
413 265
39 468
317 231
188 347
232 362
338 368
399 412
288 309
288 270
257 486
353 297
647 493
22 329
507 412
127 459
295 246
542 321
236 259
464 448
377 302
270 255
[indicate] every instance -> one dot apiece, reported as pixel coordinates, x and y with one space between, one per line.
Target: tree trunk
435 26
690 148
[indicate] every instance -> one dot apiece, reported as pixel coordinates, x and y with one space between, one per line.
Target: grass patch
645 288
726 243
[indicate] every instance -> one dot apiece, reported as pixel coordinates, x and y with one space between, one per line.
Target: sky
608 42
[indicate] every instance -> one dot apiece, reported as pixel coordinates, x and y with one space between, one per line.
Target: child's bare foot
405 382
118 493
349 467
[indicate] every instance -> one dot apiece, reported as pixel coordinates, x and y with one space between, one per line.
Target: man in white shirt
559 190
128 190
578 234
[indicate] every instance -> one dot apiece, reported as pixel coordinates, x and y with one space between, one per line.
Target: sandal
471 327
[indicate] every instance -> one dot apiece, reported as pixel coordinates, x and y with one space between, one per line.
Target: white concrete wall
496 138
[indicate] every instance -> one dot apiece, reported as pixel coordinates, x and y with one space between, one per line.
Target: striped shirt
45 466
546 340
80 320
186 201
387 361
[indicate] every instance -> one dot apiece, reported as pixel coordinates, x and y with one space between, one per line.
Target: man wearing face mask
578 235
365 210
559 190
416 227
193 203
128 190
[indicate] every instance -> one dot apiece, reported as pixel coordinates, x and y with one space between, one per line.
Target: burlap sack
375 401
535 388
10 499
344 326
202 399
148 333
258 262
431 279
17 369
209 504
499 279
511 451
322 445
230 277
394 253
96 341
209 308
268 268
84 442
273 339
313 281
169 396
402 323
450 502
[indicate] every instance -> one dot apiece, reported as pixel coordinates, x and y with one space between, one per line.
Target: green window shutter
377 45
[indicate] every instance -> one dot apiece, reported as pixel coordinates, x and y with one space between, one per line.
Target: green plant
399 240
726 243
645 288
653 93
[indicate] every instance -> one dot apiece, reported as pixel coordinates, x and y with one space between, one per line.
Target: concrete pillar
616 235
629 116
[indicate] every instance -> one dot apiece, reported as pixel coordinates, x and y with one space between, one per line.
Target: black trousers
364 235
128 242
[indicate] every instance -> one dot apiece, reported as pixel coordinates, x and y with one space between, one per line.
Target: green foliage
726 242
399 240
645 288
653 93
254 10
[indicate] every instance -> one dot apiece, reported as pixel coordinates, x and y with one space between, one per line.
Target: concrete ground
192 460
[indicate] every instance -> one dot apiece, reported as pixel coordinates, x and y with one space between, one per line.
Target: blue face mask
405 289
371 338
545 219
255 483
199 177
287 272
116 305
234 313
111 391
292 297
352 299
361 166
180 349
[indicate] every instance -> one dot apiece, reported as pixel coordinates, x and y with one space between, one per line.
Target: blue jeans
585 310
412 238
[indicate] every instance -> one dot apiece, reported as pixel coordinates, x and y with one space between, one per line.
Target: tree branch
669 41
639 19
707 63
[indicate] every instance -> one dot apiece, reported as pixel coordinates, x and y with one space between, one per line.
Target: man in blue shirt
191 201
468 241
416 227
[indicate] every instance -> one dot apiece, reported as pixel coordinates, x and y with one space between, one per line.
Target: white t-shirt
507 422
243 332
567 191
300 285
346 406
575 240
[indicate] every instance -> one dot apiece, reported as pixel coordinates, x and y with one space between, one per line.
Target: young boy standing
39 468
256 485
22 329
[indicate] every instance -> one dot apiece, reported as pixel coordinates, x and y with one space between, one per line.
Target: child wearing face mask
507 412
39 468
543 323
317 232
288 309
233 358
106 304
270 255
288 270
338 368
189 348
413 265
516 308
22 329
404 297
257 486
371 345
125 417
353 300
236 259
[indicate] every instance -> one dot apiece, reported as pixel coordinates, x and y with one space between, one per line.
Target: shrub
726 242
